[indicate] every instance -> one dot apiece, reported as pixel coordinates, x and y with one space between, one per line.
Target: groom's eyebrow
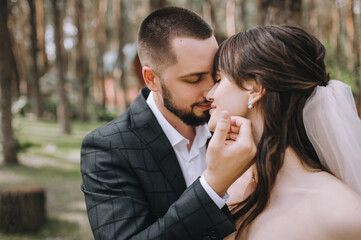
194 74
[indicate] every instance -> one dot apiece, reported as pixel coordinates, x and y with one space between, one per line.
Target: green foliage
24 109
49 108
72 111
346 75
24 146
104 115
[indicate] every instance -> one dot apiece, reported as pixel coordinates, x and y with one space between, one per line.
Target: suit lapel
147 128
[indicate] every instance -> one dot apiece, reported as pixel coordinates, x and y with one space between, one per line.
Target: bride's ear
256 93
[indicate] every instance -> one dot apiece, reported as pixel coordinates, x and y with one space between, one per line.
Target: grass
51 161
52 229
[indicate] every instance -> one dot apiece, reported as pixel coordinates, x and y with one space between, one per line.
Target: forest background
67 66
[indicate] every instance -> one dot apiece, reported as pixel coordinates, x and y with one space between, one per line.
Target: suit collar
140 113
146 127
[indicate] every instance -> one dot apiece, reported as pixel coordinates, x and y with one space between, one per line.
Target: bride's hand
230 152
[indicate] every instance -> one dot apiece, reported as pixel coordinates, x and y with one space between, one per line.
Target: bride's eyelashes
217 80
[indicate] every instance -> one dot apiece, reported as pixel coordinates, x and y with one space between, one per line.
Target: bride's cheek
212 124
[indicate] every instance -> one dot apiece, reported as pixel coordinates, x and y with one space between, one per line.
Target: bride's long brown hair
289 64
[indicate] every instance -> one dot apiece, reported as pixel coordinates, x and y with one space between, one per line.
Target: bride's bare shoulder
340 208
337 192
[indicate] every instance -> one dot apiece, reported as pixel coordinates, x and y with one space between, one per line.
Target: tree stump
22 209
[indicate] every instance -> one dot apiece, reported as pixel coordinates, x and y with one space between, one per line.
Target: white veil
334 129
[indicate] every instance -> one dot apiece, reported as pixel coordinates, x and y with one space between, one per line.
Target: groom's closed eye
194 80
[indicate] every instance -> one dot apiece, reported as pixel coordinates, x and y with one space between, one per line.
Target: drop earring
250 105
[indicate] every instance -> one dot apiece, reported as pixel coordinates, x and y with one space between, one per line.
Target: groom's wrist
216 183
219 201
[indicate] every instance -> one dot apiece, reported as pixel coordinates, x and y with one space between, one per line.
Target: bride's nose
210 95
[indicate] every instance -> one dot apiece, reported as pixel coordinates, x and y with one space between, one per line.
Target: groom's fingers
234 127
245 135
221 131
239 125
232 136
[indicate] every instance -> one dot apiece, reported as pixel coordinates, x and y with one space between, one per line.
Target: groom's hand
230 152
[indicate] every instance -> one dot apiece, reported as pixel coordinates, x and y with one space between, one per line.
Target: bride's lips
204 106
213 107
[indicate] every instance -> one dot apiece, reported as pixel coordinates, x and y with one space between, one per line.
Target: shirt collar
202 131
202 135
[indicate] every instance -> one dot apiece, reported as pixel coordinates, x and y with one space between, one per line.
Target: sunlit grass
44 132
52 160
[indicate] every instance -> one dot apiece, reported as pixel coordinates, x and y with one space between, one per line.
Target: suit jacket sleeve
118 208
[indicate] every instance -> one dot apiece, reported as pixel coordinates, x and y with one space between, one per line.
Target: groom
141 171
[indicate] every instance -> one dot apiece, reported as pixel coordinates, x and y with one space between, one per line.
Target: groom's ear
151 79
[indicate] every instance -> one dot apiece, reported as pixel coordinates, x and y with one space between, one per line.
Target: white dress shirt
192 162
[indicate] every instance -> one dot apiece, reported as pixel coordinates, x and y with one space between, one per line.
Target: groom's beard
187 116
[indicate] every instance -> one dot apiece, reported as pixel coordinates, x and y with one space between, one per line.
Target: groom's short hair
157 31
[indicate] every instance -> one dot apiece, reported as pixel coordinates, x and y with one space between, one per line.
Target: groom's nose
210 95
208 84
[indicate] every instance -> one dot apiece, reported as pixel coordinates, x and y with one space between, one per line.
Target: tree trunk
62 108
325 20
310 16
97 64
280 12
218 21
357 52
262 6
121 58
34 65
230 17
207 11
23 56
242 20
156 4
40 20
22 209
10 24
6 77
340 44
81 63
349 28
195 6
19 50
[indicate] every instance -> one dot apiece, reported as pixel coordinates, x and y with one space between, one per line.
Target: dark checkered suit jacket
134 187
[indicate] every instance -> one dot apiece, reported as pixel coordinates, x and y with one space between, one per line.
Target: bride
306 179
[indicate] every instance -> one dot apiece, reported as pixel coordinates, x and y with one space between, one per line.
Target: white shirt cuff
219 201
